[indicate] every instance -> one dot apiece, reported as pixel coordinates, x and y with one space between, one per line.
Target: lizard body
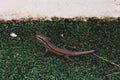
59 51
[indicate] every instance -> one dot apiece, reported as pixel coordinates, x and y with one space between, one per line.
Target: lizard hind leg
68 58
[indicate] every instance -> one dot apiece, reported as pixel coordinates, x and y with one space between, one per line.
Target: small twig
113 73
107 60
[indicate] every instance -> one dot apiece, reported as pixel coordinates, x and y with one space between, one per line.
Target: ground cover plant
20 57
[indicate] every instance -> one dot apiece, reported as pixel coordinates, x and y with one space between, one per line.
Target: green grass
20 58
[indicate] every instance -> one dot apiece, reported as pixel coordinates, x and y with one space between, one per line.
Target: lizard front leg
45 52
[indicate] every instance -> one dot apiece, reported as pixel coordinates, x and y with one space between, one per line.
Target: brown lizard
59 51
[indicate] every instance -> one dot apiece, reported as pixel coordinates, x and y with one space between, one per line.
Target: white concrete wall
15 9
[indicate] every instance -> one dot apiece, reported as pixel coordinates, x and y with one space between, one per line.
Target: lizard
59 51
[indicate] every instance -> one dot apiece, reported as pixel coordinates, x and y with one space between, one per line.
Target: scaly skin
59 51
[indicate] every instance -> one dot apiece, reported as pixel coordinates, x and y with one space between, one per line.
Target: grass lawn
20 57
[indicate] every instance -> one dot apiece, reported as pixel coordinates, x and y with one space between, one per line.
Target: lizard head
41 37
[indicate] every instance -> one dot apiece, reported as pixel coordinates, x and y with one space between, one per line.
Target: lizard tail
84 52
